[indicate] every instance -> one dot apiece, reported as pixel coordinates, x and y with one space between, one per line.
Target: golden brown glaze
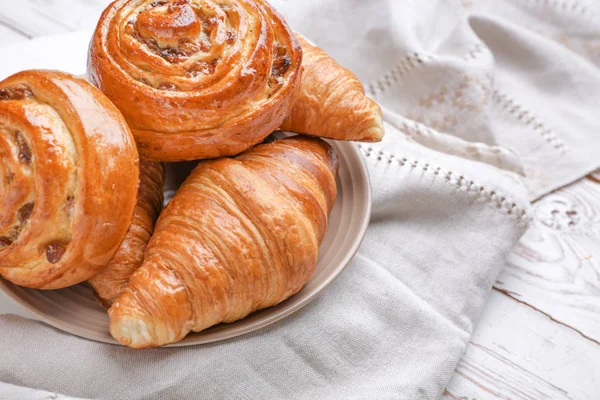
240 235
112 280
68 179
196 78
332 102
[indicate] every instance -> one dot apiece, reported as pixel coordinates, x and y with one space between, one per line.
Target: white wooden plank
75 14
9 37
518 353
26 20
556 266
48 17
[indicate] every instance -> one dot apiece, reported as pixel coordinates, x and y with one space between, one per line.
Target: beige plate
75 309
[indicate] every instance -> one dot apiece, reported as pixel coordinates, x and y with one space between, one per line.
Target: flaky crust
112 280
240 235
332 102
68 179
196 79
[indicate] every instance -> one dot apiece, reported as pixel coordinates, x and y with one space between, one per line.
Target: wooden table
539 336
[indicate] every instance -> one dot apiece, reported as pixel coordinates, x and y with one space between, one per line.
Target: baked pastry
68 179
240 235
332 102
196 79
112 280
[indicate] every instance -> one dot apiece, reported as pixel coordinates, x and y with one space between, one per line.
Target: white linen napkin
393 325
520 73
446 211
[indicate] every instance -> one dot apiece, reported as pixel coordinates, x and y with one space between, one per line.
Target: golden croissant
332 102
196 78
112 280
68 179
240 235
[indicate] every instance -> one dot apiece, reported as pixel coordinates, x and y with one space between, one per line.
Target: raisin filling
69 205
24 150
167 86
54 252
24 213
17 93
281 65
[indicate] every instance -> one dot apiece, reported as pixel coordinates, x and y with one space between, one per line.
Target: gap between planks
517 354
14 29
513 296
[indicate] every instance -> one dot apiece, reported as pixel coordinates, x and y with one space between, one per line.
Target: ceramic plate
75 310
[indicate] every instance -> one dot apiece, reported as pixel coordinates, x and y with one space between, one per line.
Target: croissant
112 280
196 79
68 179
240 235
332 102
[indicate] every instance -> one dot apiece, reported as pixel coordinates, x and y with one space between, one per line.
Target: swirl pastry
196 79
112 280
68 179
240 235
332 102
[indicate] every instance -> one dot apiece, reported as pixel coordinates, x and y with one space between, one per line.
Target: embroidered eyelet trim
412 60
413 128
523 115
565 5
475 51
495 156
459 182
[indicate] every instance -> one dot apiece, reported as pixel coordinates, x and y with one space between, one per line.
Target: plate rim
257 325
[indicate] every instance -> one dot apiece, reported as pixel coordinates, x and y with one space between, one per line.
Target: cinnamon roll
196 78
68 179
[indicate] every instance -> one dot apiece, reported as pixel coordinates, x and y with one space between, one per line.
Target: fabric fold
467 85
393 325
522 75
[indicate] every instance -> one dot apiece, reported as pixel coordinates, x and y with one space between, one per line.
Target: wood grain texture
517 353
539 334
9 36
556 266
35 18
